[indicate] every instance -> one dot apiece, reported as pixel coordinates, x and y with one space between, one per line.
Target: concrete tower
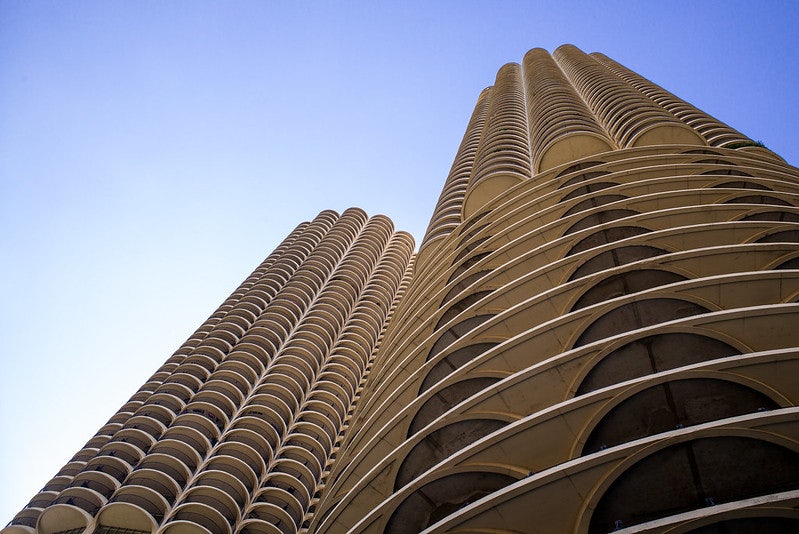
238 429
599 333
601 329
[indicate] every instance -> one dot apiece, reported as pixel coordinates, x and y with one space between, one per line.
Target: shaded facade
598 333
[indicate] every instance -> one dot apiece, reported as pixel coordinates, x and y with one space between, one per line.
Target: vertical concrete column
562 128
225 404
323 416
503 156
447 213
714 131
629 117
392 277
380 362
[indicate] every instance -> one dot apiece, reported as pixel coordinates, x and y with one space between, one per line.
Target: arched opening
455 332
674 404
451 362
782 216
441 444
577 167
463 284
455 309
793 263
599 218
445 399
693 475
442 497
615 257
639 314
605 236
758 199
653 354
470 247
626 284
588 188
786 236
593 202
740 184
463 267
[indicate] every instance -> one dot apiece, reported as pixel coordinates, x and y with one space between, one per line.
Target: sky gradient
153 153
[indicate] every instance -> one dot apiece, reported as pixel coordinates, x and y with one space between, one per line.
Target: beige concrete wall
656 281
598 334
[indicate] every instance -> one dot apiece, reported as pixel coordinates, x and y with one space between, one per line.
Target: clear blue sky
152 153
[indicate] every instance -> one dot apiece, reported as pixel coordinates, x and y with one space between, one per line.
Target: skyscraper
598 333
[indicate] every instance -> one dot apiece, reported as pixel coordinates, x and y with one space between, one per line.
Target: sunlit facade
599 333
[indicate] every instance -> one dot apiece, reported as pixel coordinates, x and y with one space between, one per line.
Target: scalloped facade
598 334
